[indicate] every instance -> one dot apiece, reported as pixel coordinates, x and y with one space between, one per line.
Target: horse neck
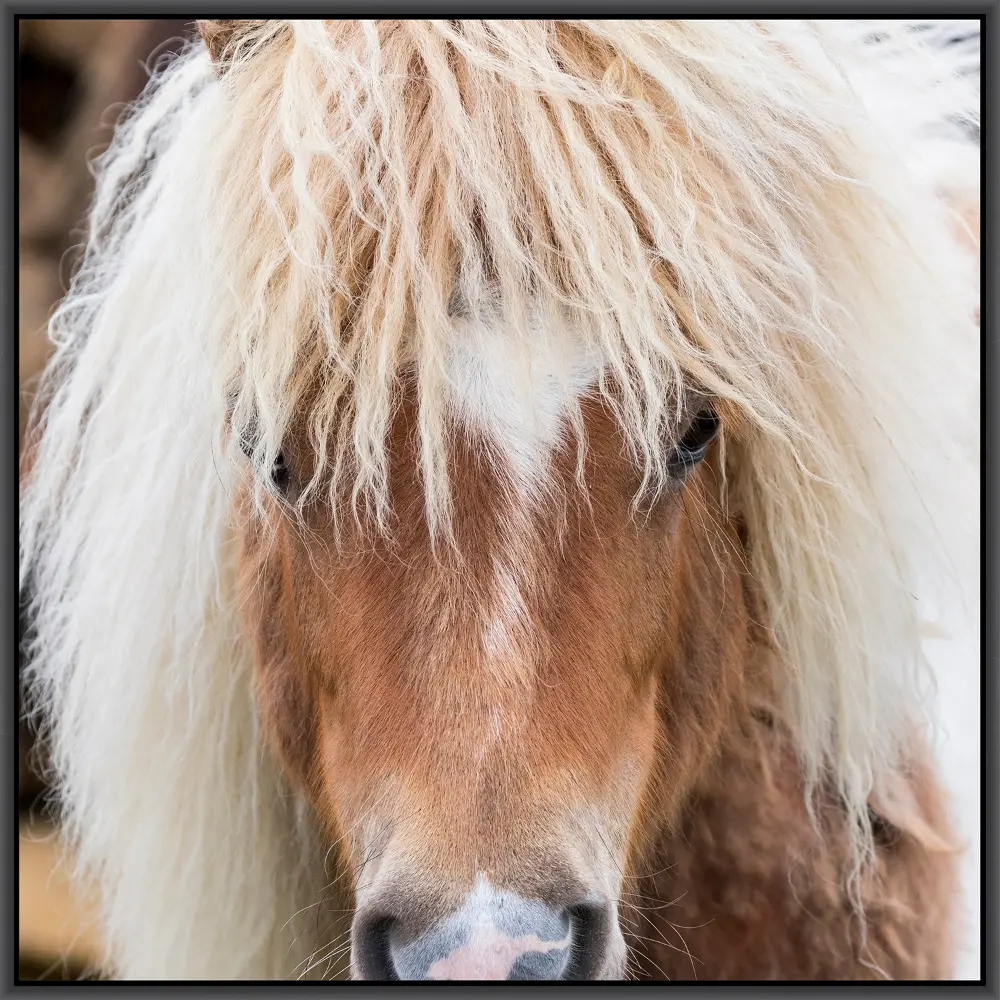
717 679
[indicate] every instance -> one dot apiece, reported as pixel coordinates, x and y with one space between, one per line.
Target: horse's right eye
280 473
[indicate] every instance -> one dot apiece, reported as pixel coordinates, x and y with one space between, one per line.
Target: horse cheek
288 712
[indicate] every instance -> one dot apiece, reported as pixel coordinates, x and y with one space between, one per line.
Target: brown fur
755 891
639 705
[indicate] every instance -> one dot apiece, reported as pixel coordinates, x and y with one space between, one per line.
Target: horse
488 497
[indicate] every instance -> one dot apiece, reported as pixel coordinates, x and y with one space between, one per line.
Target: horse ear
226 39
897 800
216 36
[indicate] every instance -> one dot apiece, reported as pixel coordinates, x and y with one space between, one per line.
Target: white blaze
518 391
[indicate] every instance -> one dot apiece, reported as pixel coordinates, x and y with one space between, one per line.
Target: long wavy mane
731 206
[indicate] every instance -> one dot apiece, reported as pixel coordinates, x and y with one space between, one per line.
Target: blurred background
74 79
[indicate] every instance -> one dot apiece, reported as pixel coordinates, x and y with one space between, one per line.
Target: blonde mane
729 206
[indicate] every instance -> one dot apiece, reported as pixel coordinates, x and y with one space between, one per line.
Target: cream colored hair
737 207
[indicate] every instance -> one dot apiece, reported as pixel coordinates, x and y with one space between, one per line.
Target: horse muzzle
492 934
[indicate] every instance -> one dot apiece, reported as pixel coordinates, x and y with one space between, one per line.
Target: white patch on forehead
507 633
518 390
509 616
492 735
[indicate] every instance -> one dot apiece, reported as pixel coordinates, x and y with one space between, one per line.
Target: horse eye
280 475
694 445
279 472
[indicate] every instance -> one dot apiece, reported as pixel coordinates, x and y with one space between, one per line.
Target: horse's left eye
279 472
694 445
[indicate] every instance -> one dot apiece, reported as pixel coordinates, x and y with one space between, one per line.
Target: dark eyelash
693 447
280 475
279 472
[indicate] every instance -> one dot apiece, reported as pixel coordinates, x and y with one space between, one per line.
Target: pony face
479 724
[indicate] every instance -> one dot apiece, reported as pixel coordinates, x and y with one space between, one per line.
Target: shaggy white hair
744 208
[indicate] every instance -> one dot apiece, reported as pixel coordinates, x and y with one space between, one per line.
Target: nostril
590 928
373 955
